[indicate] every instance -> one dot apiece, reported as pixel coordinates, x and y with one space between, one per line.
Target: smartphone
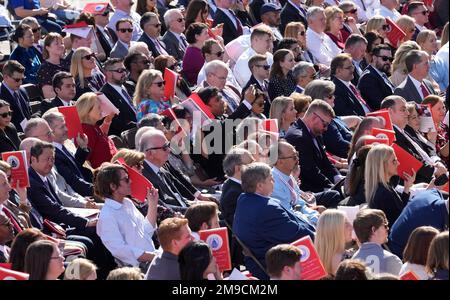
441 180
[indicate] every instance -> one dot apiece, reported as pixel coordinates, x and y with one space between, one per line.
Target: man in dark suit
70 166
105 35
260 74
292 12
232 27
135 63
398 113
415 87
64 87
356 46
374 84
11 91
124 32
174 38
419 12
318 174
348 100
303 73
116 75
151 26
261 222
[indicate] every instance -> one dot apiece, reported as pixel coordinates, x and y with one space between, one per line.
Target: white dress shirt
387 13
321 46
231 80
241 70
133 16
417 84
124 231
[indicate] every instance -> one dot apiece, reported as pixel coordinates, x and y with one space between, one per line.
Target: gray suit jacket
173 46
407 90
378 259
118 51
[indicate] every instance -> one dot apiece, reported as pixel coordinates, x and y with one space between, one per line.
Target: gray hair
150 120
312 11
29 21
52 116
301 68
413 58
27 143
147 139
319 89
32 124
233 159
168 16
212 66
253 174
139 134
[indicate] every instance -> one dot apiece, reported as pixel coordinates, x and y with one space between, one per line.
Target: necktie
363 5
12 219
230 101
72 159
183 42
21 105
174 194
160 47
316 143
238 23
424 89
128 99
52 191
360 98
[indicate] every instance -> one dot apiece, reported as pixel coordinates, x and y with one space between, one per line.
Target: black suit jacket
389 201
126 119
267 102
9 140
290 14
408 90
231 190
47 104
173 46
229 32
317 172
48 204
426 172
373 89
151 46
356 76
72 171
345 102
103 41
17 116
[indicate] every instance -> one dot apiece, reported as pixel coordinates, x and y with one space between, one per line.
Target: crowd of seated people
268 129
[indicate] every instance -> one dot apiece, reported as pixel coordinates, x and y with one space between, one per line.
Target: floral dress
151 106
441 141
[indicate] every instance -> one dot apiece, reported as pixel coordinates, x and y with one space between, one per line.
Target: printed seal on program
214 241
305 253
13 161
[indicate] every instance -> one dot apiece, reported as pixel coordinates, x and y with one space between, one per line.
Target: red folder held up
376 141
384 134
7 274
139 184
382 114
395 33
406 161
217 239
171 79
19 167
270 125
72 119
312 267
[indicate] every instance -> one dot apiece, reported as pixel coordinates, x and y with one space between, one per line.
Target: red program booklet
384 134
19 167
406 161
72 120
312 267
139 183
217 239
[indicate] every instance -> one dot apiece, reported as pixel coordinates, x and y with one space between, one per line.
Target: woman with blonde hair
335 26
297 31
101 145
427 40
301 103
381 166
379 25
399 71
53 53
437 261
408 25
82 68
149 94
333 231
282 109
81 269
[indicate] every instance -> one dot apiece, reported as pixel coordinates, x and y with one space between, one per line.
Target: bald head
26 145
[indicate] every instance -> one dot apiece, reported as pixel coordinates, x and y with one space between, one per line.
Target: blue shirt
282 192
26 4
28 58
439 72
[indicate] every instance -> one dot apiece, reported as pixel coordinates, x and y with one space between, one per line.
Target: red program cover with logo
395 33
217 239
384 115
376 141
7 274
312 267
19 167
384 134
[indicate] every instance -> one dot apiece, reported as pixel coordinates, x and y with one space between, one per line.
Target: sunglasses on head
36 29
266 67
386 27
352 11
6 114
160 83
386 58
123 30
89 56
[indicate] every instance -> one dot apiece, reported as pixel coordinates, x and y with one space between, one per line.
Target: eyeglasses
120 71
180 20
324 123
302 33
160 83
352 11
145 62
386 27
123 30
218 54
424 12
106 13
163 147
126 179
352 67
295 156
89 56
157 25
18 79
36 29
330 96
385 58
6 114
266 67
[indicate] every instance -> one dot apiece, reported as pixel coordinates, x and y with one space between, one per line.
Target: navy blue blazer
151 46
231 190
73 171
47 203
261 223
373 88
290 14
426 209
267 101
337 138
317 172
17 116
345 102
408 90
229 32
